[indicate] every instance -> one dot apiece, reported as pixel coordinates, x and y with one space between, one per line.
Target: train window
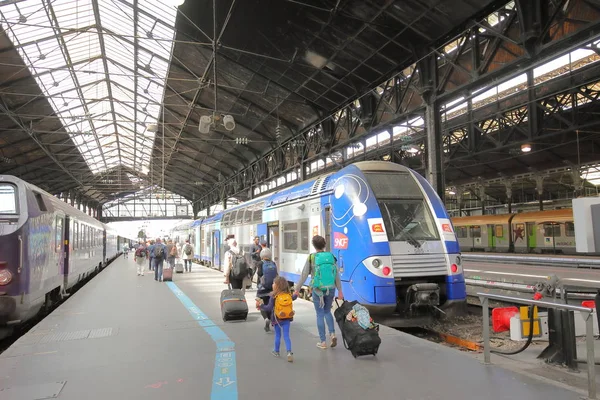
226 218
407 220
499 231
74 240
40 201
257 215
461 232
569 229
393 185
475 231
304 236
8 199
290 236
551 230
248 214
58 237
239 216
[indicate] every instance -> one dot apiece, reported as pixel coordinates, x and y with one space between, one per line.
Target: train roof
482 220
312 187
564 214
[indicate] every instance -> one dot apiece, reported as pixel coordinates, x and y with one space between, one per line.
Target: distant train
397 251
551 231
47 248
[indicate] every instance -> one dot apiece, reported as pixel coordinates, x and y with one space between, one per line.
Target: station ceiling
82 87
70 97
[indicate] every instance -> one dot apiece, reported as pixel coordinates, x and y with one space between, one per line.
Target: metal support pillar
433 126
539 187
459 199
435 152
481 190
508 185
577 182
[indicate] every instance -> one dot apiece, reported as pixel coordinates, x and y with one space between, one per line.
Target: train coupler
423 295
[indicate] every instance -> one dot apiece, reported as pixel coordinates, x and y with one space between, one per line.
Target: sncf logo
446 228
377 228
340 241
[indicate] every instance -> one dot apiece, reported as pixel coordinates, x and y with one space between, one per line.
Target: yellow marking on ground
467 344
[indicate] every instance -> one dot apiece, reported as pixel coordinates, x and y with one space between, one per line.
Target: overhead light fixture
451 192
413 150
526 148
205 123
152 128
229 122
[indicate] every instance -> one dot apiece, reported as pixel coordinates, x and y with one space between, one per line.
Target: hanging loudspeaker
228 122
205 122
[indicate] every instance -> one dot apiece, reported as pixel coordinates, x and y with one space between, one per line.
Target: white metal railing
587 314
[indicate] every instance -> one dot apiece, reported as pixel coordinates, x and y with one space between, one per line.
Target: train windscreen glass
8 199
404 210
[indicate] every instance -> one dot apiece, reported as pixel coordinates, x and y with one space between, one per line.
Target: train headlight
376 262
386 271
458 259
5 277
454 268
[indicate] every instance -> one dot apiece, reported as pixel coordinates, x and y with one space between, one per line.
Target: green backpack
325 270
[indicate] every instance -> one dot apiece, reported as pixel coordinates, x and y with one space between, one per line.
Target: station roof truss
481 90
309 83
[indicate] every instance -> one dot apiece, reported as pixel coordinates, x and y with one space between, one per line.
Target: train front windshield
8 199
404 210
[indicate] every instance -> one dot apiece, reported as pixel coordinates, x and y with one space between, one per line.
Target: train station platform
124 336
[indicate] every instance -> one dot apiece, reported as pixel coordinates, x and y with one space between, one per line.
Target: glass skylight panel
58 70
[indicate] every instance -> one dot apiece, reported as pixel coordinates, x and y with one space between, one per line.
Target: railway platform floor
124 336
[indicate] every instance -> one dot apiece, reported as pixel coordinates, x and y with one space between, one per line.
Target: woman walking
325 278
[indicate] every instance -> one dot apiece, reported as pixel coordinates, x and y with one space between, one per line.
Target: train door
216 245
273 240
531 236
491 237
66 244
103 248
327 226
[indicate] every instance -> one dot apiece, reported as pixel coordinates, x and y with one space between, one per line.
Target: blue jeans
158 267
324 314
285 326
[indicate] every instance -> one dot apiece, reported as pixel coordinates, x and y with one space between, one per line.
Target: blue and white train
395 244
47 248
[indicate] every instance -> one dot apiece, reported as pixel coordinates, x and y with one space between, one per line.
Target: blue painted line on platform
224 384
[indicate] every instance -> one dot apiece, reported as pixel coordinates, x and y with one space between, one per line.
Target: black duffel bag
359 341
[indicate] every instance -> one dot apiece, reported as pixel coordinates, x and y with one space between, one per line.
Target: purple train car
47 248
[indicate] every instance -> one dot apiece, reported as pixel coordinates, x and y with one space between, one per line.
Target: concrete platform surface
128 337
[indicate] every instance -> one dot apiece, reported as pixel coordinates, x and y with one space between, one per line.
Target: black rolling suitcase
359 341
233 305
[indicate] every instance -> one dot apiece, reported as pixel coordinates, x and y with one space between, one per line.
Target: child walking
282 314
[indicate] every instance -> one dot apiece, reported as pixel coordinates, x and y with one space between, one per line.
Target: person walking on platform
282 314
235 270
150 249
187 255
140 256
125 250
255 255
266 272
159 253
321 266
172 253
